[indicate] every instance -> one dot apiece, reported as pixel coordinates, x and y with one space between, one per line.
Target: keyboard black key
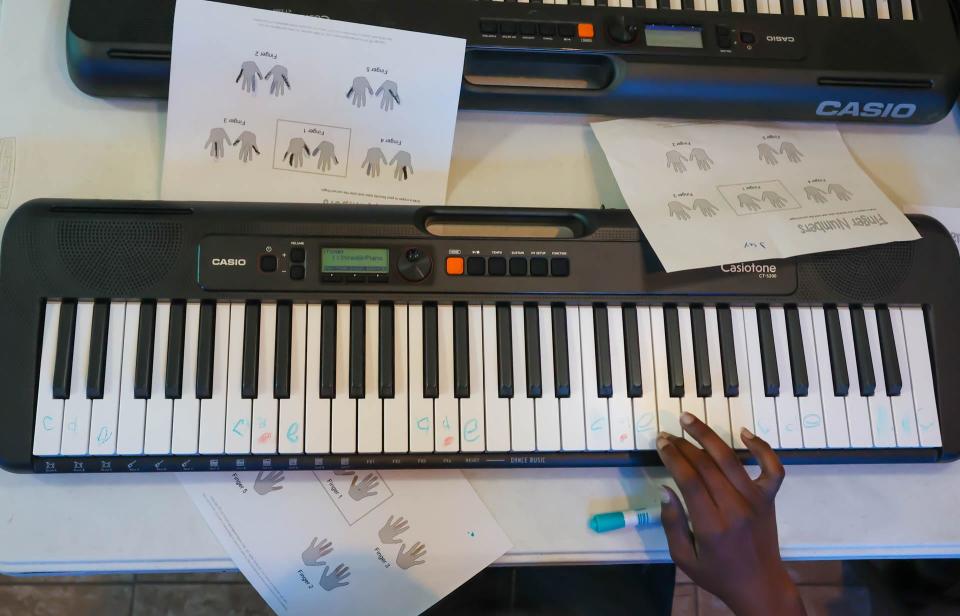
870 8
786 7
504 352
861 349
97 363
631 341
768 352
63 362
810 7
143 373
601 343
328 350
728 353
671 326
461 351
687 5
561 351
386 381
531 338
750 6
798 359
834 7
701 357
726 6
888 353
250 361
173 385
282 350
357 370
431 357
838 357
205 341
896 11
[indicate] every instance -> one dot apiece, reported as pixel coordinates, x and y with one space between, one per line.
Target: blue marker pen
639 518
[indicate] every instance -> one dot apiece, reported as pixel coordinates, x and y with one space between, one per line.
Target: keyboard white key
265 405
798 7
316 438
690 402
788 408
76 410
741 406
595 408
445 408
717 407
621 409
738 6
547 407
572 419
132 412
906 9
883 9
159 422
775 7
699 5
213 410
881 413
370 407
186 410
497 409
845 9
645 407
834 407
823 8
395 412
763 7
856 8
676 5
103 415
764 408
924 396
668 408
290 430
343 408
858 414
522 422
650 4
472 423
421 409
713 5
904 415
49 422
811 405
239 409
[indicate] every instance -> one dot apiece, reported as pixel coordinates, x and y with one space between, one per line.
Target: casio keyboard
189 336
835 60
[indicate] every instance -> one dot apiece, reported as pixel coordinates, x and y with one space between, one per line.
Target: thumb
675 526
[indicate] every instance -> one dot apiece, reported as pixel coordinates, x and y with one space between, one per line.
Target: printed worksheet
708 194
270 106
349 542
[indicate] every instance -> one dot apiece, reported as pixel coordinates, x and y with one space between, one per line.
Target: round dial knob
622 31
414 265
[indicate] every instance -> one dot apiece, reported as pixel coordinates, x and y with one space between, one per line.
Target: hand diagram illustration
249 73
217 142
703 160
327 156
248 145
675 161
330 581
678 210
411 558
773 199
841 193
362 488
372 162
267 483
815 194
767 154
707 209
793 154
393 529
358 92
279 75
315 551
388 95
295 152
404 166
749 202
344 473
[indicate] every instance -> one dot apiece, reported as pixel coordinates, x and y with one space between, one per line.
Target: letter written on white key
290 432
858 413
445 408
595 407
76 411
645 406
668 407
904 415
421 408
787 405
317 410
811 405
764 409
881 413
46 435
921 375
621 410
132 410
471 409
265 406
103 417
239 409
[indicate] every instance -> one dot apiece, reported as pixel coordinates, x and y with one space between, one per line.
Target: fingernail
747 434
665 495
686 418
662 441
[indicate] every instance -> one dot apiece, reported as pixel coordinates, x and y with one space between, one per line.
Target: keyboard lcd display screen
689 37
355 261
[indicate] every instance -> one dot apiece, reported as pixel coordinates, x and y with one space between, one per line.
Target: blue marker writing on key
103 435
645 422
637 518
292 432
811 421
237 427
47 423
423 424
597 424
470 433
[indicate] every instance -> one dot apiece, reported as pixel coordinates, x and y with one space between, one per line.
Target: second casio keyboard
188 336
834 60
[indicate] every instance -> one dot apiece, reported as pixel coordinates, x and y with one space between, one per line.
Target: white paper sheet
365 542
709 194
270 106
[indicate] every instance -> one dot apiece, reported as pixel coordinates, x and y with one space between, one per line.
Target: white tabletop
70 145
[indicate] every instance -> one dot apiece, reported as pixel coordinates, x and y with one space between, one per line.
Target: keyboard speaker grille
866 274
118 258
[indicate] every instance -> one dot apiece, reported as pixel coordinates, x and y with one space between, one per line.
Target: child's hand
732 550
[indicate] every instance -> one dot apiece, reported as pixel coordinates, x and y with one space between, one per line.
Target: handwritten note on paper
709 194
296 108
349 542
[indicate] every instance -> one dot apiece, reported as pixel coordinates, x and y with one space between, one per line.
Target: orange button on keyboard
585 30
454 266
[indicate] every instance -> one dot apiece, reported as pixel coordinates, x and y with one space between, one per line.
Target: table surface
71 145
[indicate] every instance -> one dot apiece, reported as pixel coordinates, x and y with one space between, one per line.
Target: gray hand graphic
404 166
329 582
265 484
217 142
346 473
361 489
295 152
704 161
773 199
707 209
815 194
748 202
678 210
767 154
842 193
372 162
391 530
407 559
328 157
388 95
249 73
675 161
279 74
793 154
315 551
358 92
248 145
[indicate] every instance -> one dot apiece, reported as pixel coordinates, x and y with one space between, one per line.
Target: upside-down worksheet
276 107
708 194
349 542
